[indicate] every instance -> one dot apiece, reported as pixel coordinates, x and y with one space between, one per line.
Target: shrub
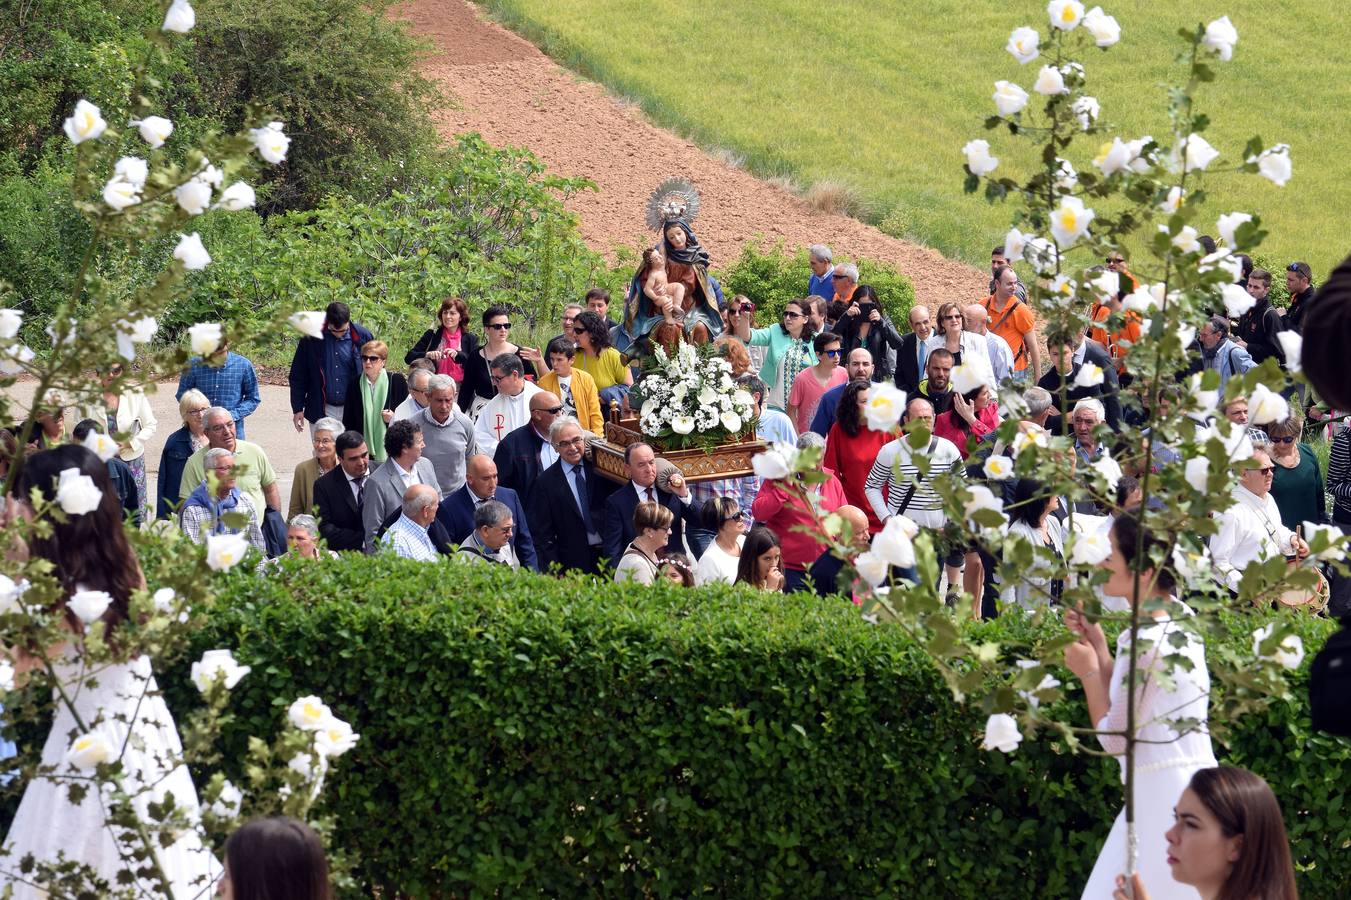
771 277
573 738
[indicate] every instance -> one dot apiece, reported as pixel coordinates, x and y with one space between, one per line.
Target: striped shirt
896 470
1339 477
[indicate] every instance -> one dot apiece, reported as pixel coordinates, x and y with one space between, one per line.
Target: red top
781 511
852 458
987 420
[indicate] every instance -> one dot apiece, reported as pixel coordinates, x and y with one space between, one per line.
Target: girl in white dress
1165 759
118 701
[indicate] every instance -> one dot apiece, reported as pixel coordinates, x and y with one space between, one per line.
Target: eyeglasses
1114 262
954 316
1266 470
570 442
497 379
834 353
505 529
372 359
838 275
736 517
579 330
551 410
1283 440
789 314
500 326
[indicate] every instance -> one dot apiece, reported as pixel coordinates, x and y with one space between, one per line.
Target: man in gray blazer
403 468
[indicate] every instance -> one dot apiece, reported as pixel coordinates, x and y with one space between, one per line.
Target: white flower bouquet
689 399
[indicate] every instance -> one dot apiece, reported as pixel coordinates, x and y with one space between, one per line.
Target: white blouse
717 565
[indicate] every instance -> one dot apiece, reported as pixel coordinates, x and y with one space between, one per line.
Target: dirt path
512 93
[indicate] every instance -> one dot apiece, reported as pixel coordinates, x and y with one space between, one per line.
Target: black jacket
478 380
339 516
354 412
617 532
880 336
1294 313
431 340
1108 392
1258 328
556 522
307 373
907 373
517 458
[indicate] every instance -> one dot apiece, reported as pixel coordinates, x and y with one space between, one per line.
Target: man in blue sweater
820 285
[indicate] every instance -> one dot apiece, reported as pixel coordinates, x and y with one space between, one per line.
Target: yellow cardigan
584 396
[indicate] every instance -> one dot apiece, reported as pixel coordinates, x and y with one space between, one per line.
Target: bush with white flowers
690 399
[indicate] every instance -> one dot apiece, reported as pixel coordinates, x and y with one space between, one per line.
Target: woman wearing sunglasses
1297 483
789 349
967 347
723 517
598 359
478 387
372 398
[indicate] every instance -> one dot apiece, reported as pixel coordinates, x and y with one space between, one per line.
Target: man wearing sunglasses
1251 528
323 368
525 452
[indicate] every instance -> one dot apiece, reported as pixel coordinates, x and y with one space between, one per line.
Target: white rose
133 170
1199 154
1187 240
155 130
217 664
1190 564
224 551
89 605
193 196
228 803
334 738
1070 221
85 124
192 253
1090 549
1220 37
100 445
1141 162
1172 202
11 320
1289 653
982 498
180 17
89 750
76 493
1041 254
1065 14
682 424
1266 406
309 713
871 567
270 142
1001 729
1228 224
1009 99
1292 345
732 422
894 543
311 324
204 338
1050 82
310 766
1103 27
1066 179
1014 242
236 197
1197 472
885 406
776 463
1110 470
120 194
1113 157
14 359
6 676
1143 298
1336 550
1106 284
10 594
1089 375
1063 289
1224 260
1024 440
1274 164
1237 300
1086 110
978 158
966 378
998 468
1048 682
1023 44
164 599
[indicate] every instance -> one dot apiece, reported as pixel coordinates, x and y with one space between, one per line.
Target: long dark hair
808 329
1130 535
88 552
596 329
759 542
849 326
970 397
1030 502
848 416
1244 806
277 859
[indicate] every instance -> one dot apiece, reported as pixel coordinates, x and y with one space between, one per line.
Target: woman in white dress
117 702
723 517
1165 759
1032 521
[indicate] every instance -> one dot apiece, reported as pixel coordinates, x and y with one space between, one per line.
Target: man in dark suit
525 452
339 494
617 527
567 502
323 368
911 357
456 513
1067 358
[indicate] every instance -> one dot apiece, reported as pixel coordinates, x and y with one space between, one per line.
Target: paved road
269 426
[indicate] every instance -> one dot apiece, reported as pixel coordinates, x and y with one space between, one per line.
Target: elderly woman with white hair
180 446
302 542
324 440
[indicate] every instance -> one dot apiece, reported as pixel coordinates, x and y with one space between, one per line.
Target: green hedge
564 738
771 277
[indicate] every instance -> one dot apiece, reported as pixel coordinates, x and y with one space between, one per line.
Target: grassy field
880 97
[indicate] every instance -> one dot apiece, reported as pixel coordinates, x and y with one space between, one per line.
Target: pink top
450 340
987 420
807 391
781 511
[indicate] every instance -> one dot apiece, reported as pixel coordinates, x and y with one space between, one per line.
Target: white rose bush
689 399
1091 193
137 186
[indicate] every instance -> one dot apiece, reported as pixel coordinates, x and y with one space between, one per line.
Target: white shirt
642 492
717 565
925 507
500 416
1250 530
975 353
355 484
409 478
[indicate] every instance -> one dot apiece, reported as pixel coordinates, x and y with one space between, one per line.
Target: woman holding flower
1170 684
788 349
